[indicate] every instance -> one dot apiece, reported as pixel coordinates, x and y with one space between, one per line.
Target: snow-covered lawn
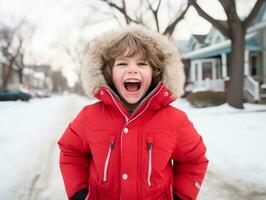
29 155
236 146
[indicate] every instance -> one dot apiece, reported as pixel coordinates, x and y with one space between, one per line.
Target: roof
222 47
200 38
182 46
261 13
225 46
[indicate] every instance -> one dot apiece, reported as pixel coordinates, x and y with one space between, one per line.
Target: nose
132 69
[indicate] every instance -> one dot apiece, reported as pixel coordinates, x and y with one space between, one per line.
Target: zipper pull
112 142
149 146
149 142
112 145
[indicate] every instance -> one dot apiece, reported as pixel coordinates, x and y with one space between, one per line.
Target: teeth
132 81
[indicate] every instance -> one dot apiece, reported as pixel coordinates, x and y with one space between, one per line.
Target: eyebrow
124 58
120 59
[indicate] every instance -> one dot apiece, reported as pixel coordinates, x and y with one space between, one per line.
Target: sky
60 23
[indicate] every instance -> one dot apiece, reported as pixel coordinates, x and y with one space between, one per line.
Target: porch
209 69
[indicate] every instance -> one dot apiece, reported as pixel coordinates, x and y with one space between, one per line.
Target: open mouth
132 85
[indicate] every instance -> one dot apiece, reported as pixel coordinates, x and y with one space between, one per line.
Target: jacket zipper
149 144
128 122
171 192
106 164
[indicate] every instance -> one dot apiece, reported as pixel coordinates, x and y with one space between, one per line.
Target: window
218 39
207 70
194 46
254 62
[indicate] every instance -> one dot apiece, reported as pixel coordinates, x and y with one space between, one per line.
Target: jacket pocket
108 156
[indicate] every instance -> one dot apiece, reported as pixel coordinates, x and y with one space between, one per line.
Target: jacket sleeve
190 163
74 156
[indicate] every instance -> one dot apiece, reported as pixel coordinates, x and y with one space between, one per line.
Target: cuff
176 197
80 195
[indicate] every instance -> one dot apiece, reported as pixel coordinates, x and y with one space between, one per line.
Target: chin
132 100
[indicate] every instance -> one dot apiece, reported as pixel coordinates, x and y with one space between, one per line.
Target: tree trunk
235 91
20 73
6 75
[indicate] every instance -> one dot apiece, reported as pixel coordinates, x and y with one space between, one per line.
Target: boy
132 144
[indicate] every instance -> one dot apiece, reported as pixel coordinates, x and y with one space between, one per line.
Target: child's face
132 77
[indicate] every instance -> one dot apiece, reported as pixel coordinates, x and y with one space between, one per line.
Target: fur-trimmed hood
92 75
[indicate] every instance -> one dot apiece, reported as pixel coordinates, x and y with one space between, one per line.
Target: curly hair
132 43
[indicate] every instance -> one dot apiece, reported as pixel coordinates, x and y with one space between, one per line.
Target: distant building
33 77
37 77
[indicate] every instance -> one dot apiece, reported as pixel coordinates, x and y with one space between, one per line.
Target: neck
130 107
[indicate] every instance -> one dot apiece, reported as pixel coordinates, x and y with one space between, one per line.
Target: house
33 77
37 77
207 60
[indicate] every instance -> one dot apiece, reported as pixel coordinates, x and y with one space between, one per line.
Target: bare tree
75 52
145 7
60 83
235 30
12 49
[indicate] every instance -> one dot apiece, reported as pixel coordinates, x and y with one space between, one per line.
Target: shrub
206 99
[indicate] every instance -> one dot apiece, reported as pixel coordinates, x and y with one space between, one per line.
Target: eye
121 64
142 63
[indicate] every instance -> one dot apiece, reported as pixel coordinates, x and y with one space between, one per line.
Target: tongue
132 87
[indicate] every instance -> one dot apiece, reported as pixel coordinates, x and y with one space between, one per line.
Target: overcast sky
58 22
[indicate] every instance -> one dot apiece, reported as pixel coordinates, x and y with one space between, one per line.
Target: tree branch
171 27
217 24
229 7
122 10
247 22
155 13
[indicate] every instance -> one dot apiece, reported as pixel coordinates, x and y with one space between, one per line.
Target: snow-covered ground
236 149
29 154
28 149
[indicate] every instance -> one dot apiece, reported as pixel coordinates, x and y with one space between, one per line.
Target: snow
39 75
27 71
28 132
235 141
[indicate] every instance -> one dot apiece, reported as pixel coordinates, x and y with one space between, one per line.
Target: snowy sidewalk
29 131
28 149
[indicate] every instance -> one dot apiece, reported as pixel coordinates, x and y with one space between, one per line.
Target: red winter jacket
147 155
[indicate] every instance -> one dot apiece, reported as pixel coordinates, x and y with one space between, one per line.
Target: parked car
14 95
40 93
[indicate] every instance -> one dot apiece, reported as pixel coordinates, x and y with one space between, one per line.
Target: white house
208 60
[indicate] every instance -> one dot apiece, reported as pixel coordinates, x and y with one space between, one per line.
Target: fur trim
91 73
